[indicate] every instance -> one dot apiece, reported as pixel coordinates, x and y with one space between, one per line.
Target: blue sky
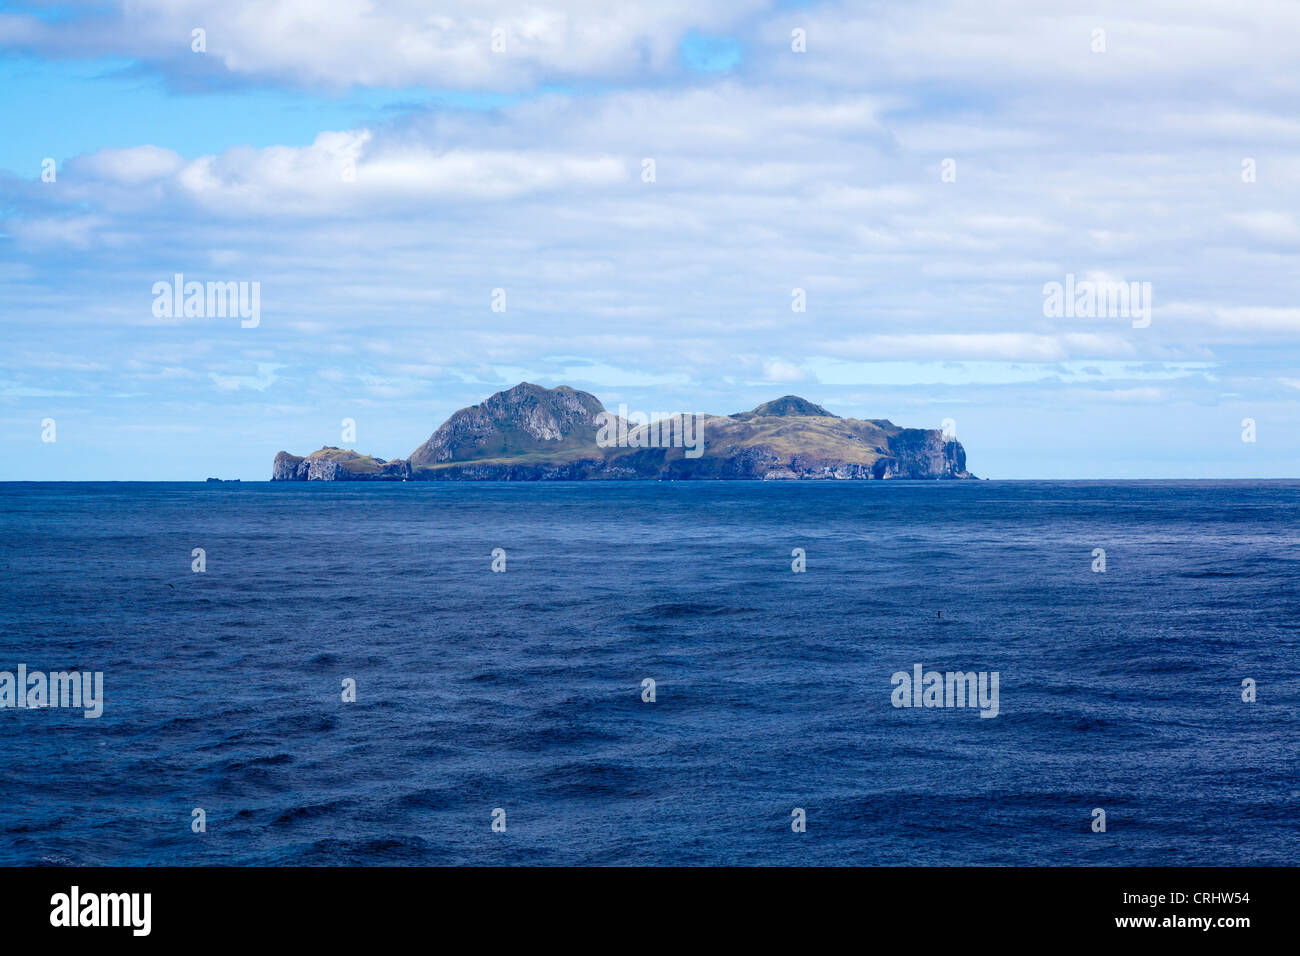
920 170
67 108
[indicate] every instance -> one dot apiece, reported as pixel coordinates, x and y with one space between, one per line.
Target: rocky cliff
337 464
531 433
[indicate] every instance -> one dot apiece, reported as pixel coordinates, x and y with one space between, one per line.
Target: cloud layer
914 178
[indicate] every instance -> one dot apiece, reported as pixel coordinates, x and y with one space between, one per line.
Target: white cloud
1261 318
820 171
260 382
132 166
392 43
1144 395
779 370
1268 224
998 346
75 231
339 172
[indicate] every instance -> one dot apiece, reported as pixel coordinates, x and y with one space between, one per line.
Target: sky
439 200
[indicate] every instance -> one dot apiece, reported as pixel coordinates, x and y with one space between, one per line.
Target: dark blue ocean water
522 690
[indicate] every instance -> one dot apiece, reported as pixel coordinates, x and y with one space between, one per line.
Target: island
532 433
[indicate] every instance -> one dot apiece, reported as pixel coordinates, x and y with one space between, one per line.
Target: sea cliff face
531 433
337 464
925 453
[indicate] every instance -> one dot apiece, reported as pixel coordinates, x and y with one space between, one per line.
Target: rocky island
531 433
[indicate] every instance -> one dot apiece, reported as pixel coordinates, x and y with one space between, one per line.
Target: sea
653 673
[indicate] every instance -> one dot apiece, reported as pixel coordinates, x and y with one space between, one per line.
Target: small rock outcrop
337 464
